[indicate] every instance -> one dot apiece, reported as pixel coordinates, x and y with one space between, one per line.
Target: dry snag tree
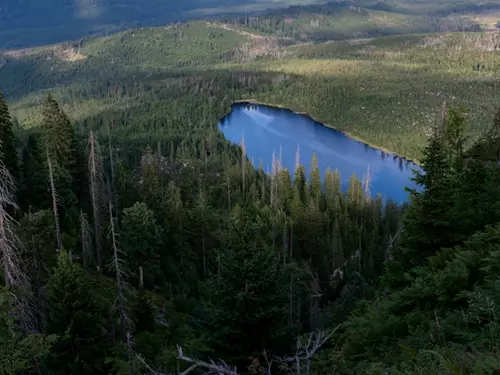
15 279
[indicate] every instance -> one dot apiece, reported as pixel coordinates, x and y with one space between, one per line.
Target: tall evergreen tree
427 223
9 153
77 318
141 240
315 180
33 177
247 293
59 142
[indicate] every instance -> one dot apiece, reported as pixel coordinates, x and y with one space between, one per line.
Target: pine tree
10 158
33 178
333 190
315 179
285 192
355 197
300 183
59 142
141 243
77 318
248 293
455 133
427 223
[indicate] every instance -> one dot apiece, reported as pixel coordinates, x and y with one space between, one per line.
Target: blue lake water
266 130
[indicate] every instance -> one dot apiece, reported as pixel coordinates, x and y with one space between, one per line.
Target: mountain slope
36 22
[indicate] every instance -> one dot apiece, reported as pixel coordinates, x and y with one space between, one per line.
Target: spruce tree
9 153
76 316
141 240
59 142
427 223
247 293
315 179
33 178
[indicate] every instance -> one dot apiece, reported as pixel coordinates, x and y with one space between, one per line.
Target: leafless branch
96 188
10 246
54 203
85 237
306 349
213 368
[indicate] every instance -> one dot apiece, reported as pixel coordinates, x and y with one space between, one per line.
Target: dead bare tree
306 348
118 267
16 279
54 203
298 364
85 237
243 162
8 239
113 178
213 368
96 184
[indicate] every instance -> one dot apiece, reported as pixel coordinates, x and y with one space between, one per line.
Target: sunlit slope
387 90
346 19
390 90
134 54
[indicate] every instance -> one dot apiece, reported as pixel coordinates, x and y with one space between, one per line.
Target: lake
267 129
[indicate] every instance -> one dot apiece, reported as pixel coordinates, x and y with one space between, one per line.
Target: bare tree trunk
204 253
243 164
22 307
228 193
118 270
113 178
54 204
95 170
85 236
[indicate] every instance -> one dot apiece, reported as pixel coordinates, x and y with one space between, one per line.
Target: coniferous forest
135 239
151 254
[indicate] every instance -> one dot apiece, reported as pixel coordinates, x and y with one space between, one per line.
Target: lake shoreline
344 132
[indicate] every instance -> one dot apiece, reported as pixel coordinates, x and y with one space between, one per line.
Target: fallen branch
223 368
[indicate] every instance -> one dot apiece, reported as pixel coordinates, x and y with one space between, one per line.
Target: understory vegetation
135 239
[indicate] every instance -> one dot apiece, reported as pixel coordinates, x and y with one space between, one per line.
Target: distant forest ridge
32 22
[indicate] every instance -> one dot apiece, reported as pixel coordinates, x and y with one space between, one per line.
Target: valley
140 233
385 90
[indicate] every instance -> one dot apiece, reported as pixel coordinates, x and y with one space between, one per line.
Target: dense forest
133 247
135 239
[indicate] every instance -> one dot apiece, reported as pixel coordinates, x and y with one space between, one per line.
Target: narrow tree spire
367 184
10 158
118 268
297 158
54 203
85 238
96 183
243 161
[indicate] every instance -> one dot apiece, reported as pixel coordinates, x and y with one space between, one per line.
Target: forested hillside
135 239
32 22
119 245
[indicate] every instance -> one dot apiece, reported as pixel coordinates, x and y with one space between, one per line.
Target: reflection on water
267 130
